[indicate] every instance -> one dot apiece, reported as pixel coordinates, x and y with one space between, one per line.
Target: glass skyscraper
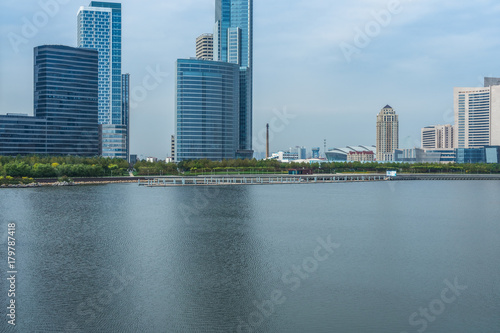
65 106
233 42
66 96
214 98
100 28
207 95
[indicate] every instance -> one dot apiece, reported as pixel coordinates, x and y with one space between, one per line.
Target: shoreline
251 179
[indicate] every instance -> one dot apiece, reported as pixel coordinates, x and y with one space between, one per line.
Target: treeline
58 166
266 166
70 166
143 168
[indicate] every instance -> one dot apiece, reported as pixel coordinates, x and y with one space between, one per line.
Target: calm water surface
403 257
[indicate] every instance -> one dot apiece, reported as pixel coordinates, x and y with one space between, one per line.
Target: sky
323 69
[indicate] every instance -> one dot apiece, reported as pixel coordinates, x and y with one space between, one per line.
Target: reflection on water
123 258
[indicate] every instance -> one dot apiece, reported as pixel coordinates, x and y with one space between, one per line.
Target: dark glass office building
65 106
207 104
22 135
66 95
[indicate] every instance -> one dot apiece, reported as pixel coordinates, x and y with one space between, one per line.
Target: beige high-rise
387 134
205 47
438 137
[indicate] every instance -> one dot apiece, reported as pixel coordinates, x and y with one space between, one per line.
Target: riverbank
256 179
75 182
298 179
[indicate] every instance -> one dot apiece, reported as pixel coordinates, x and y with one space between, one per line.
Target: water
123 258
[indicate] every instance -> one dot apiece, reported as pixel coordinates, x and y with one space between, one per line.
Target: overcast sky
323 69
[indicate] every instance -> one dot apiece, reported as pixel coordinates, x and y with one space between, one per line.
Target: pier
213 180
255 179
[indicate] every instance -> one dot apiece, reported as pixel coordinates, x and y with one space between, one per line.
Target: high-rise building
387 133
437 137
65 94
65 106
233 42
100 28
477 117
207 97
205 47
213 109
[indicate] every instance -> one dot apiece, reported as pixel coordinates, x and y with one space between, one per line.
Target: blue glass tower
207 95
233 42
214 98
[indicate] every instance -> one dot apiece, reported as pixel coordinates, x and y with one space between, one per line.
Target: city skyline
302 78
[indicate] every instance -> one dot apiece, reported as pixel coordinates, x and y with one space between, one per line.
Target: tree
112 167
17 169
41 170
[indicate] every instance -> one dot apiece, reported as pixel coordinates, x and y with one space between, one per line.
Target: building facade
65 106
438 137
477 117
360 156
207 100
214 98
65 95
233 43
205 47
387 133
172 147
100 28
351 153
22 135
126 112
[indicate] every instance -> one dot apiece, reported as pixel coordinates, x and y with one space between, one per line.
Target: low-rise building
341 154
361 156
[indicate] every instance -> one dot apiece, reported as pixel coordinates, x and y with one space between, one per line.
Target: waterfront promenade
297 179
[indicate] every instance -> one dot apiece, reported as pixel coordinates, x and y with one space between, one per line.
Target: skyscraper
65 106
206 110
233 42
477 116
387 133
65 95
213 106
205 47
100 28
